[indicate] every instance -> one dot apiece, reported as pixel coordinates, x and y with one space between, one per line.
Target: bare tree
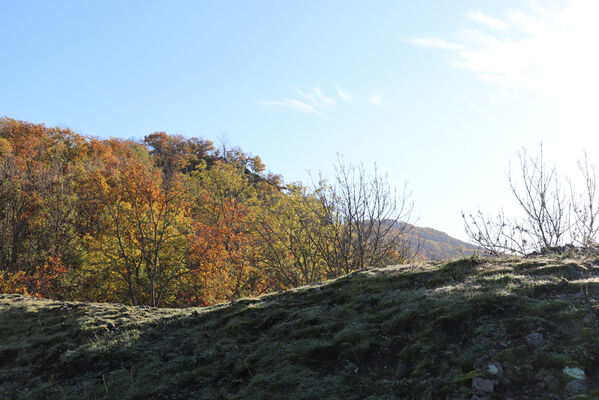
584 207
331 228
370 220
546 219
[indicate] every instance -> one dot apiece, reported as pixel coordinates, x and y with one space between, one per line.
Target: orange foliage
163 221
224 254
43 282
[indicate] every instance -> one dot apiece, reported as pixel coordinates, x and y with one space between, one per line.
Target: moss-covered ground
406 332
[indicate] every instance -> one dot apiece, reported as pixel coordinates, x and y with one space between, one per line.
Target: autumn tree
144 219
175 221
222 245
36 212
170 152
294 237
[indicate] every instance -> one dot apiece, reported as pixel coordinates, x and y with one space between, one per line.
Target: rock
576 386
494 370
535 339
574 372
552 382
482 385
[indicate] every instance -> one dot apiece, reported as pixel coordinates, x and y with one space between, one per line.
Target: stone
535 339
552 382
574 372
482 385
576 386
494 370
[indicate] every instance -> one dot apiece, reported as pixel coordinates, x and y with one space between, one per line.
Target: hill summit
433 244
472 328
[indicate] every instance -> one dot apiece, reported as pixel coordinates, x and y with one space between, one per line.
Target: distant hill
437 245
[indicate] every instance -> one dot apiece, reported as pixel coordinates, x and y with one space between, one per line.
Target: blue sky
441 94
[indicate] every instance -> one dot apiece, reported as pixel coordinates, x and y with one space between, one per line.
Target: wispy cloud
550 50
543 52
435 43
316 98
313 101
345 96
375 98
484 19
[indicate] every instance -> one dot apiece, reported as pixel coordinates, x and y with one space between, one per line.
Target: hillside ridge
469 328
438 245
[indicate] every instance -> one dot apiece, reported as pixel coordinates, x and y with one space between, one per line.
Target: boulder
574 372
551 382
535 339
493 370
482 385
576 386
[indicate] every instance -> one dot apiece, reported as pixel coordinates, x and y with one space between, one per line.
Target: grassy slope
400 332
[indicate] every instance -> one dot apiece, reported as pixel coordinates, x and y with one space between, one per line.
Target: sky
439 94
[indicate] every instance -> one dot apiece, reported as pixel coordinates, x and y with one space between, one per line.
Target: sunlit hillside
470 328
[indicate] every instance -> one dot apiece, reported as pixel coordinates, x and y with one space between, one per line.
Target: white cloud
321 97
376 98
312 101
315 100
435 43
345 96
484 19
546 50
